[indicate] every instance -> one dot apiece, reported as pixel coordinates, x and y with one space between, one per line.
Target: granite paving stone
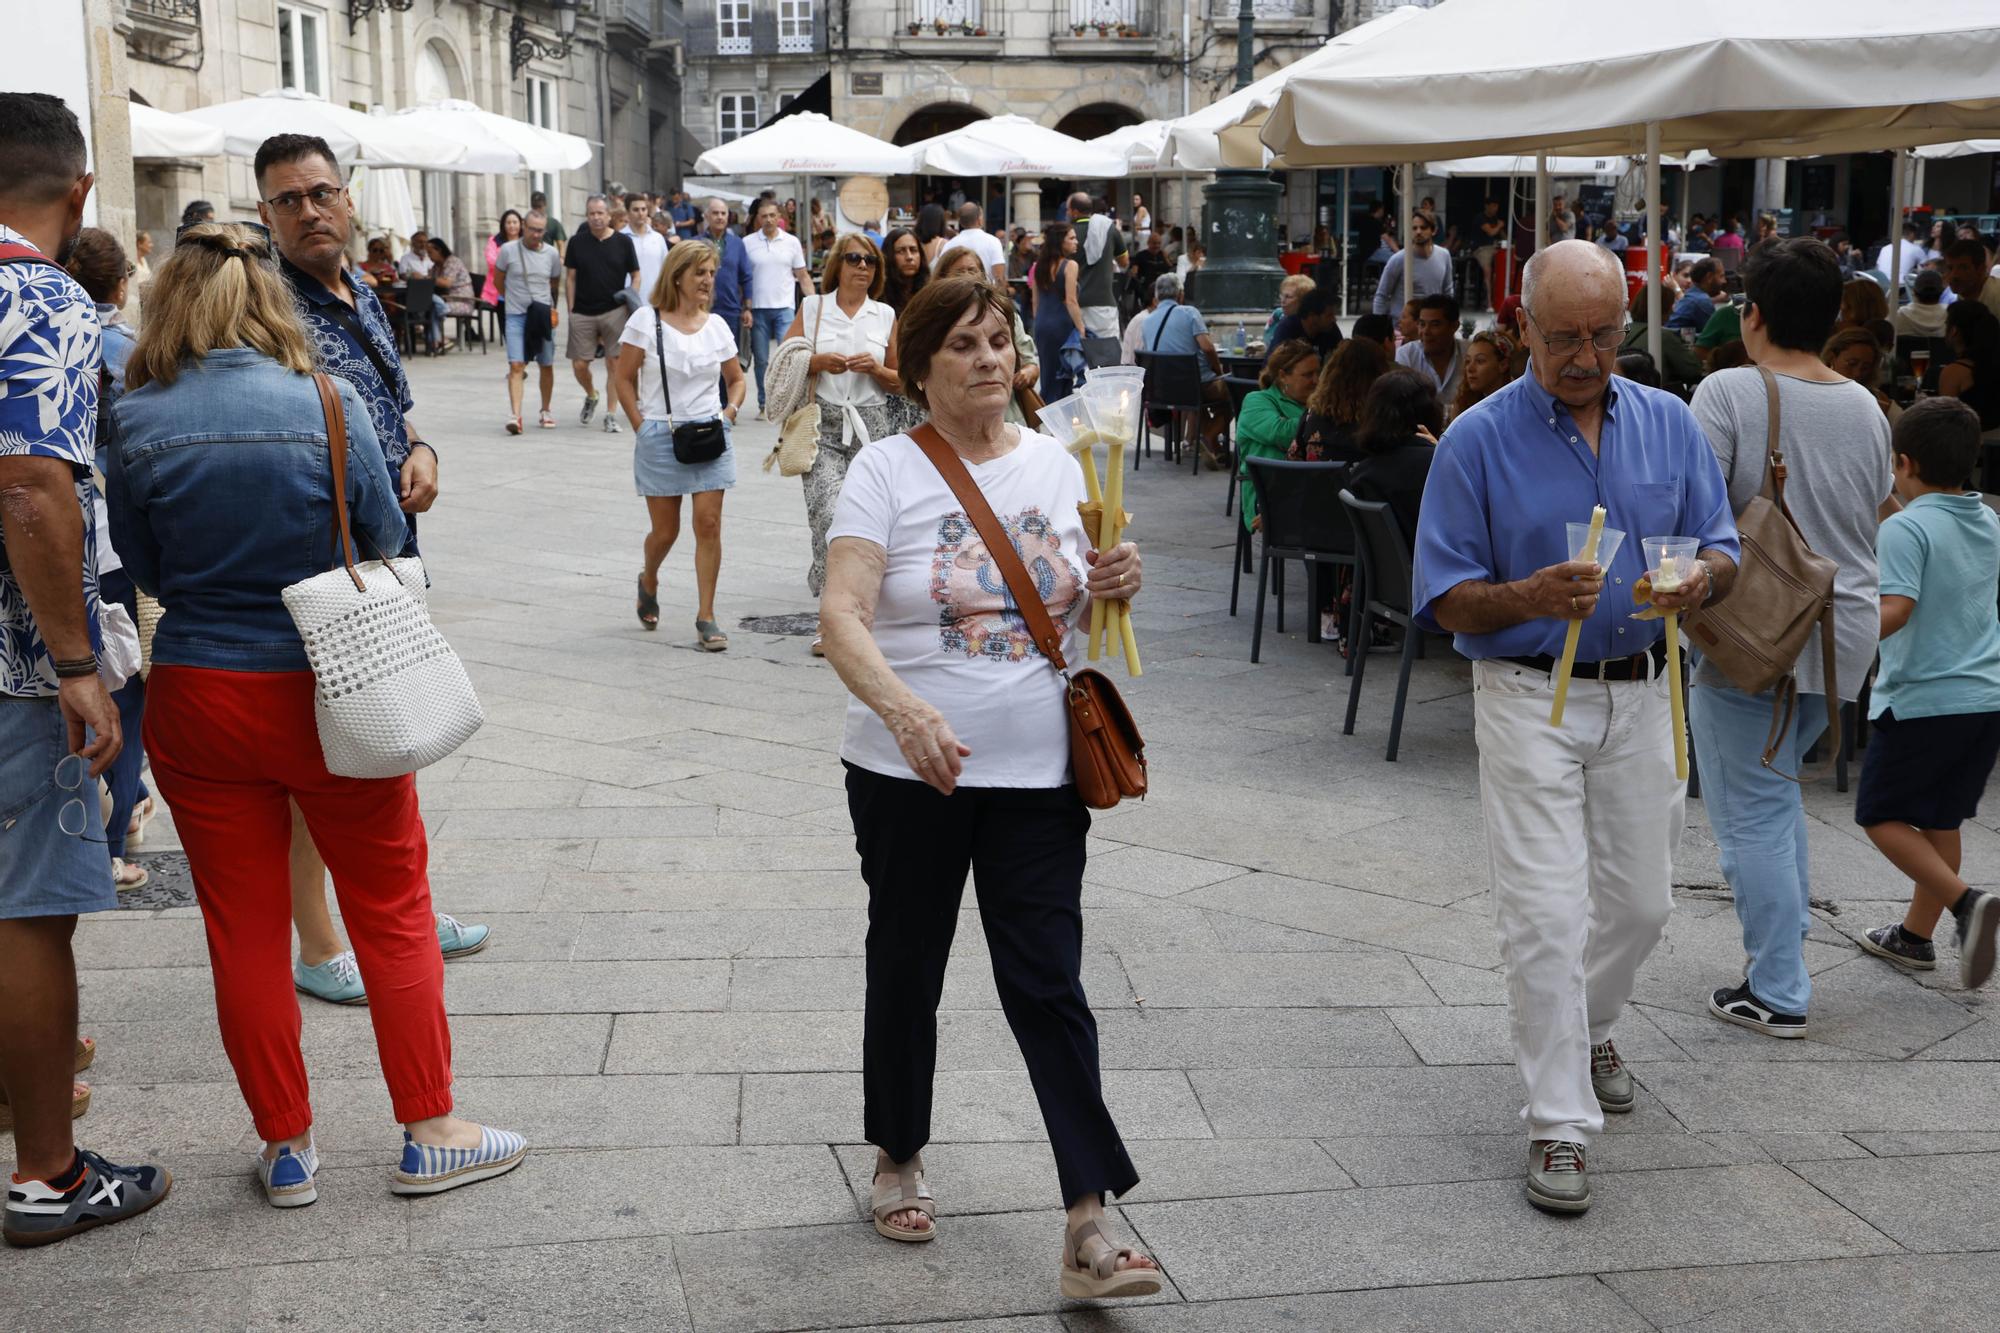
1920 1293
1947 1202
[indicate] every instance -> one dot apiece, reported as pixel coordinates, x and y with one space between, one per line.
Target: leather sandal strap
907 1192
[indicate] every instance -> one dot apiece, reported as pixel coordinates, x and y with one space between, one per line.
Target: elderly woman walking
850 336
219 493
957 757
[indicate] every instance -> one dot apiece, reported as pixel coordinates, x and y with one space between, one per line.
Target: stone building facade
615 86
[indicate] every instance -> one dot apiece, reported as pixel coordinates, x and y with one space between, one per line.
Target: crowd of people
907 375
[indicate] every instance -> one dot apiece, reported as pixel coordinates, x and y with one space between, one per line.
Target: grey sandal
709 636
902 1192
1102 1279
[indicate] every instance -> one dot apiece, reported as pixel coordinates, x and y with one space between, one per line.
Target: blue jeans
437 320
767 330
127 789
1759 821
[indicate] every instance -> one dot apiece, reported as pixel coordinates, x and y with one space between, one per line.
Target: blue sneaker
288 1178
456 939
98 1193
428 1170
337 980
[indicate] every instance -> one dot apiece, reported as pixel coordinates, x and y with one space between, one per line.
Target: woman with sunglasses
852 334
219 500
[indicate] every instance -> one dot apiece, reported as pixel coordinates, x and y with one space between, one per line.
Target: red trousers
230 751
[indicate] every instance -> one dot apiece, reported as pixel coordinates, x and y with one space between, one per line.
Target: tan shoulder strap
336 447
1027 598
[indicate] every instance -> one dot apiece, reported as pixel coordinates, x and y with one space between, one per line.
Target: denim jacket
221 494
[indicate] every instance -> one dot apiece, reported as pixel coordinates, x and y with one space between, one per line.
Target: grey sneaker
103 1193
1557 1182
1905 951
1610 1080
589 406
1978 928
610 422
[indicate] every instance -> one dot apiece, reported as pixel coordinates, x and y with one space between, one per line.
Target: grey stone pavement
1289 953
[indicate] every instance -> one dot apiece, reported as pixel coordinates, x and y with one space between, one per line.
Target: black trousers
1024 847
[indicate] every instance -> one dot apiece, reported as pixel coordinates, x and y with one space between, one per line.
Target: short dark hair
1703 269
930 317
1967 248
439 244
1940 437
198 210
1439 301
1378 327
42 144
1637 365
1318 301
282 148
1398 402
1795 284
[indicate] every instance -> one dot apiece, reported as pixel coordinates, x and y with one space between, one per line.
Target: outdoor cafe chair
1173 386
1240 387
1302 521
1382 589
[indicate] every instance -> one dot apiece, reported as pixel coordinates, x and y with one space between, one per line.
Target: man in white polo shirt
777 265
972 235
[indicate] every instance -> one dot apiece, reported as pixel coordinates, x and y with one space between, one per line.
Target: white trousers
1581 827
1101 321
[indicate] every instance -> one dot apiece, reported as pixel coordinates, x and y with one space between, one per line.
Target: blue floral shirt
48 409
342 353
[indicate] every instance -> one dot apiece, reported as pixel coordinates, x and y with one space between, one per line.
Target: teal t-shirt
1943 550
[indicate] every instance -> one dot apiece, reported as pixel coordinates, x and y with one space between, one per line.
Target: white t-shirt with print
944 618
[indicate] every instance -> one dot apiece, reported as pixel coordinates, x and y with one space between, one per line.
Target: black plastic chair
1383 590
1173 385
416 313
1302 521
1099 352
1240 387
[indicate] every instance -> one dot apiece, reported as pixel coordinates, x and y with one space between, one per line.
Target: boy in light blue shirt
1936 703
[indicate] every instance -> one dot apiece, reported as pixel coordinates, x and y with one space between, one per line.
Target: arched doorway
1097 119
939 118
436 76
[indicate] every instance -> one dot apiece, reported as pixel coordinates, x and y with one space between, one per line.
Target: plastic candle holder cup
1670 560
1608 543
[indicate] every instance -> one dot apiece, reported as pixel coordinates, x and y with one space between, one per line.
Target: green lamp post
1239 219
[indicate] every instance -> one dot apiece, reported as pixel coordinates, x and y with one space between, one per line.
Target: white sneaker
610 423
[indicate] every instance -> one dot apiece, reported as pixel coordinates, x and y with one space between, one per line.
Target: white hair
1538 262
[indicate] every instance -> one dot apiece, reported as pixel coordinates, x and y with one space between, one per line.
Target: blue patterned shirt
331 323
48 409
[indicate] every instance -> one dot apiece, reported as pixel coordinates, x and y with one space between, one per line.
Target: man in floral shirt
49 687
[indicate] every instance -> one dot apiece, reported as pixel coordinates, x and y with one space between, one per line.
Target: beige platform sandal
1102 1279
902 1192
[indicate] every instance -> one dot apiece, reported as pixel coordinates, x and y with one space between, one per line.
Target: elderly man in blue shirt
1581 821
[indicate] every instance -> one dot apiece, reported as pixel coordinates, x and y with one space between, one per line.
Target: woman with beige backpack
850 336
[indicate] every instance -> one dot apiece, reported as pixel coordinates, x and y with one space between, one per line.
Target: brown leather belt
1639 666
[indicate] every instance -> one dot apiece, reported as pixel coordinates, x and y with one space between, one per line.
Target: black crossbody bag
697 441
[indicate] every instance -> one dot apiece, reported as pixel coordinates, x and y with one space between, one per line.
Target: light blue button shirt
1513 469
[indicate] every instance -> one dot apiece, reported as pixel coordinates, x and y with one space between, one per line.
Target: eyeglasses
859 259
1604 340
73 818
321 197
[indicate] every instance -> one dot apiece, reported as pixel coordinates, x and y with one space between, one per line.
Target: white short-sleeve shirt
651 249
693 363
828 328
772 260
945 619
982 243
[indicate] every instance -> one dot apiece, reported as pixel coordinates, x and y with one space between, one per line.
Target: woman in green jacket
1270 415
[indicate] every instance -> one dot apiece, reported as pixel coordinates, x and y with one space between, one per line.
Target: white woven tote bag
390 696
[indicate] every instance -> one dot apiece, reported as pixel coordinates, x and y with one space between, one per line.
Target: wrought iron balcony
165 32
1111 18
763 28
938 20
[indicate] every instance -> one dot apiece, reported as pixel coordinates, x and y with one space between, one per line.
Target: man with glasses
1581 820
528 274
310 218
50 869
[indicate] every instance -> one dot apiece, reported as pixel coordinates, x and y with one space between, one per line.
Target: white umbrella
1140 145
496 143
162 134
807 144
1224 133
1526 166
353 136
709 190
1934 151
383 203
1742 80
1014 146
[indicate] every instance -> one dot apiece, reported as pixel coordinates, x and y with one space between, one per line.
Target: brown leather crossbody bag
1107 756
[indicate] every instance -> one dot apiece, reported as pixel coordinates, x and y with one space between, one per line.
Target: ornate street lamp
358 10
526 47
1239 220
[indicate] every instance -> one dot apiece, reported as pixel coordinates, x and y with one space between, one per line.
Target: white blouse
693 362
868 331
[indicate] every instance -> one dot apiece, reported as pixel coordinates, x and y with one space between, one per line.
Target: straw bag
1107 756
148 619
389 694
798 438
